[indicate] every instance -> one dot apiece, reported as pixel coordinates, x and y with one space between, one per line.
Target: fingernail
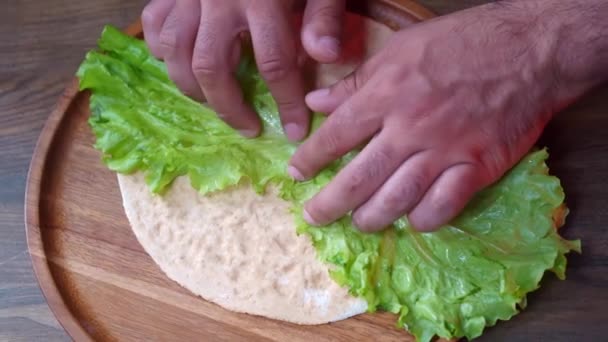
309 218
295 173
248 133
294 132
331 45
316 97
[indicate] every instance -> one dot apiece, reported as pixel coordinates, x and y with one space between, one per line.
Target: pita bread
239 249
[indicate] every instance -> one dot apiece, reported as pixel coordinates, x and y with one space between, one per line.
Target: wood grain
42 43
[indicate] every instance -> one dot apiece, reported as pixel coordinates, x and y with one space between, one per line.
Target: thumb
322 28
327 100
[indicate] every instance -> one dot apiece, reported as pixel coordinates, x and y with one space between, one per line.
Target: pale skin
448 106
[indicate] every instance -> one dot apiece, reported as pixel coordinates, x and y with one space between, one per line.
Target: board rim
40 159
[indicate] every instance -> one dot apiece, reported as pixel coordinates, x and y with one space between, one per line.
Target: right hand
199 40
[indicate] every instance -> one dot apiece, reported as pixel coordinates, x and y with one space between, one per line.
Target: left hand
200 42
450 105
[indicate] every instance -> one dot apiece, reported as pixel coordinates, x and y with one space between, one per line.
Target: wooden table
41 45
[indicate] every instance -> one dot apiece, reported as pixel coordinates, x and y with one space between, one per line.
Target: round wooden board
96 277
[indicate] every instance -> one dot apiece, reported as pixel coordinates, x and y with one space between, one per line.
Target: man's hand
200 43
449 105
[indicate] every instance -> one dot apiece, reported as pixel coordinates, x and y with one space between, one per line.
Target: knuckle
353 81
168 40
274 68
504 148
148 16
359 178
402 197
395 200
205 66
443 206
371 171
288 104
327 11
493 161
358 78
350 83
349 118
331 144
380 160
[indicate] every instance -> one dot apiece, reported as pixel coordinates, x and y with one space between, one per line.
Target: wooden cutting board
96 277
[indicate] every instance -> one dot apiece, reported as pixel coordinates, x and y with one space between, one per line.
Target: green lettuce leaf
451 283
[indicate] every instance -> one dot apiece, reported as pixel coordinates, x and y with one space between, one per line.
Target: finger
215 57
276 56
152 19
322 29
177 41
351 124
356 182
399 194
327 100
446 197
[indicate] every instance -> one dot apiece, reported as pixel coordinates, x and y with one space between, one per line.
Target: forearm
576 33
581 28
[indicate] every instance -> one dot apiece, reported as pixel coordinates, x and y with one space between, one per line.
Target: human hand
199 41
450 105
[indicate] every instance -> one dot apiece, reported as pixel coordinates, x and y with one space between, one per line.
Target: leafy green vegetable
451 283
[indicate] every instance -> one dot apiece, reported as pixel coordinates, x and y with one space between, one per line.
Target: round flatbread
239 249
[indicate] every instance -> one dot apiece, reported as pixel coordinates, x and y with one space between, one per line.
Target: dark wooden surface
41 44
